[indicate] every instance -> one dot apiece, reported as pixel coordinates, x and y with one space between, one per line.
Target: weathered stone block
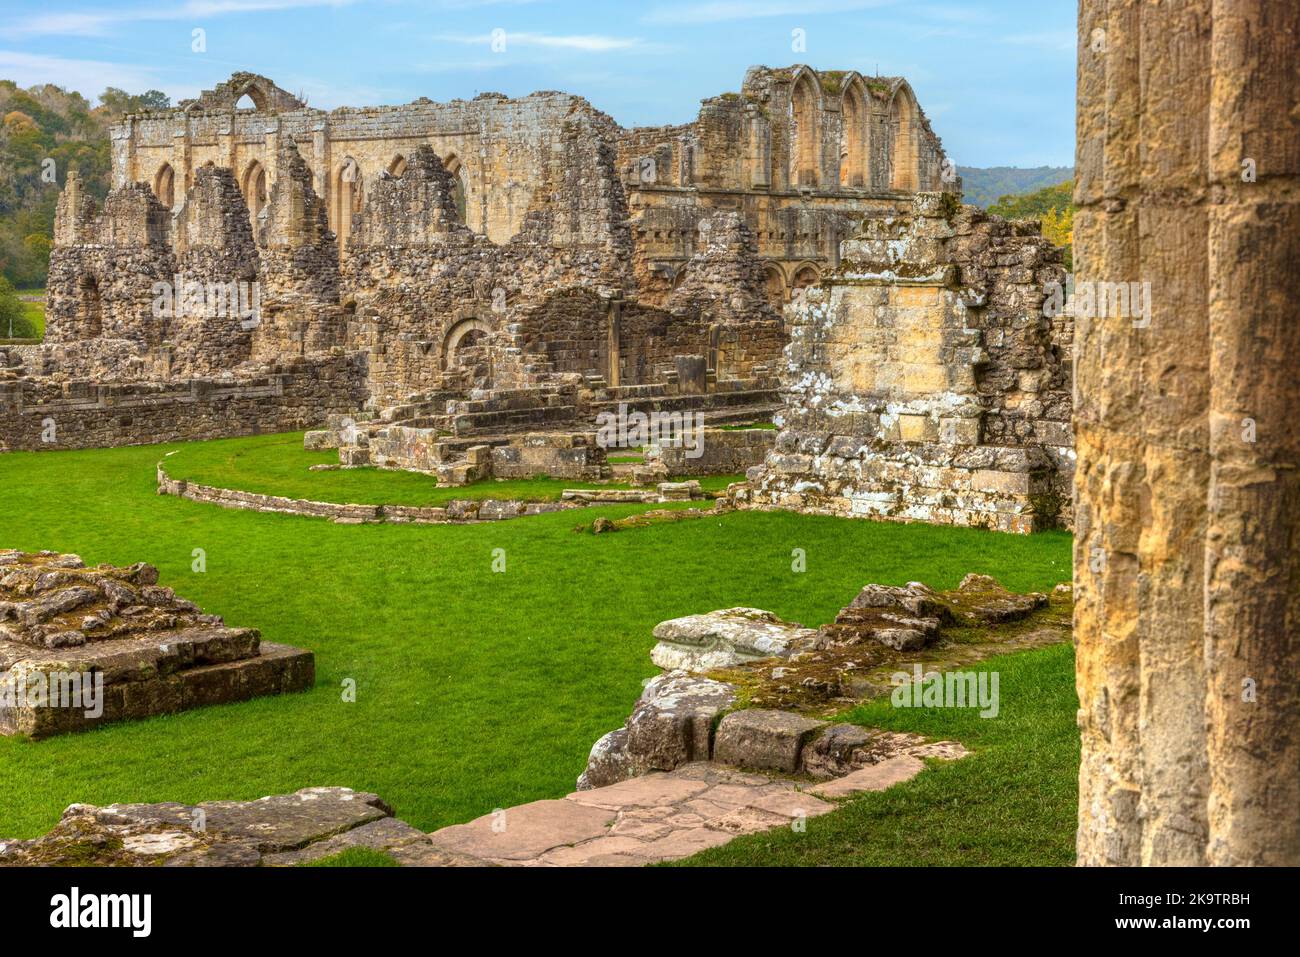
761 739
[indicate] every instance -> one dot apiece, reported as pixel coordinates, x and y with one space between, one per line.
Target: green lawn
478 690
277 465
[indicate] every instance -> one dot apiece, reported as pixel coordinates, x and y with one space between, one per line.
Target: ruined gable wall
100 290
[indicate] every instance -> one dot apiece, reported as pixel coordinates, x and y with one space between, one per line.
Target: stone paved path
657 817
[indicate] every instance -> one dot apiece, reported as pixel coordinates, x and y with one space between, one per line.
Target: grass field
277 465
478 690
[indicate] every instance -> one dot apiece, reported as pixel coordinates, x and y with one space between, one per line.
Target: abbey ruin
496 274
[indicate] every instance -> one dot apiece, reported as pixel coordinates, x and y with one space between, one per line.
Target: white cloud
99 23
88 77
590 43
718 11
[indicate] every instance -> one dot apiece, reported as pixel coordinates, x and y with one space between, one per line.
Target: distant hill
985 186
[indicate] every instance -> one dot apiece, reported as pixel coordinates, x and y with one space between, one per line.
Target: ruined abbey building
464 274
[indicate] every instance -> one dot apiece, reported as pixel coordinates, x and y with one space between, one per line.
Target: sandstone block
763 739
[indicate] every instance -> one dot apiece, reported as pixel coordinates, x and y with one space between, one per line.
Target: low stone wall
1003 489
44 414
720 452
454 512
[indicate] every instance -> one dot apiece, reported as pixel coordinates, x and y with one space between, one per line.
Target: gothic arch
855 119
164 185
903 157
255 95
805 131
398 165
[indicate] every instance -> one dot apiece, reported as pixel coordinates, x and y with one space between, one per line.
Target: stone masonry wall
297 394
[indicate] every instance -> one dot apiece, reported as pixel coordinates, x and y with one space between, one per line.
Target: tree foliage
45 131
1052 206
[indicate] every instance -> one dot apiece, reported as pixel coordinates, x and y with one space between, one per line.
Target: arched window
806 276
346 198
774 284
458 185
253 186
164 185
903 157
853 137
398 166
804 152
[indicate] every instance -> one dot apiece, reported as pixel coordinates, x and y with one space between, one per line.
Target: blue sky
996 77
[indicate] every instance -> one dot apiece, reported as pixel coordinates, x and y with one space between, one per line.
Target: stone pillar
1187 547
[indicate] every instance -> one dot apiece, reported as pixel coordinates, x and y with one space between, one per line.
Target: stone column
1187 536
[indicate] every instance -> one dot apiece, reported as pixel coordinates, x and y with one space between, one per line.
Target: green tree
13 316
1052 206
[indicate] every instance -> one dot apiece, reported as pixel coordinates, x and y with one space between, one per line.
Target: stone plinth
81 647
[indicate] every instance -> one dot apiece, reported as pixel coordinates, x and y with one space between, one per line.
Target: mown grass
1012 802
277 465
475 690
353 857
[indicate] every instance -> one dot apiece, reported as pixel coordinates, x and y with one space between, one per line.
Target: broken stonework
80 647
282 829
671 725
910 618
721 639
923 381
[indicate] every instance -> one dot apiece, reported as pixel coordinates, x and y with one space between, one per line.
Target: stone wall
923 382
296 394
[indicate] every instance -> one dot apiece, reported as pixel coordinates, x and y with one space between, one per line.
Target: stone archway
854 147
164 185
466 334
